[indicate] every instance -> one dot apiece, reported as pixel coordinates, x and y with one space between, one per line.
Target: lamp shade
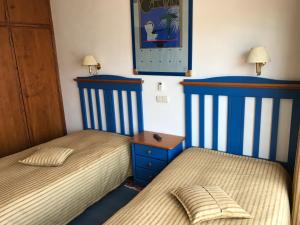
89 60
258 55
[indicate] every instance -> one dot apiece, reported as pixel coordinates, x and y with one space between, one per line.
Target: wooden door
13 133
39 78
29 11
2 11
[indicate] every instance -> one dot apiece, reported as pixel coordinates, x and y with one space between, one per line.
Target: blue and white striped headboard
245 116
111 103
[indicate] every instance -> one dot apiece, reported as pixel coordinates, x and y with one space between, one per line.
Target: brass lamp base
98 67
258 68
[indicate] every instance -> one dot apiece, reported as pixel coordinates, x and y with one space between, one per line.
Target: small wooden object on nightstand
151 156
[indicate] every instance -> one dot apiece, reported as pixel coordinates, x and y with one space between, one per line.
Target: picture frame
162 37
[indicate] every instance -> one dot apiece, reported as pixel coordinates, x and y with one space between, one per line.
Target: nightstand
150 156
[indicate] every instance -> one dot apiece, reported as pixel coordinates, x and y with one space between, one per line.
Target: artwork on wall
162 37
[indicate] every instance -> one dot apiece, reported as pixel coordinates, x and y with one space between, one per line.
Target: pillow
208 203
51 156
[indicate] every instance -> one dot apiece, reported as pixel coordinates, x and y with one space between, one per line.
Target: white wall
223 33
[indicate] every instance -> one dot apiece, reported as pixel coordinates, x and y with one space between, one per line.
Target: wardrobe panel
29 11
13 133
2 11
39 78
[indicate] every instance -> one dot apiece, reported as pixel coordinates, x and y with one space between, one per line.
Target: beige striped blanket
55 195
260 187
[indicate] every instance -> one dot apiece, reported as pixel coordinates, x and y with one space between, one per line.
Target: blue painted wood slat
215 121
98 105
139 100
130 116
110 110
235 135
121 110
274 131
83 108
257 121
294 134
188 121
90 100
201 120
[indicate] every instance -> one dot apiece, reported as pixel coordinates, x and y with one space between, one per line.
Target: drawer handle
149 152
149 164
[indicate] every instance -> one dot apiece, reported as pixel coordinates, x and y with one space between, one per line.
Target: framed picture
162 37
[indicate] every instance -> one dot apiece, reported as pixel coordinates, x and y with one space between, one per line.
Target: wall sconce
91 62
260 57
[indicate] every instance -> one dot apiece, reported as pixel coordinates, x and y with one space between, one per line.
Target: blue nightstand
150 156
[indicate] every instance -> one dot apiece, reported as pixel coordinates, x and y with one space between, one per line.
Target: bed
256 175
258 186
101 160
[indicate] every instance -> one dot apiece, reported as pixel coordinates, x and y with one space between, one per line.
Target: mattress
55 195
260 187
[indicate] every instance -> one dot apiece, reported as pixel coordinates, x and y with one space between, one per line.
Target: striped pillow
51 156
208 203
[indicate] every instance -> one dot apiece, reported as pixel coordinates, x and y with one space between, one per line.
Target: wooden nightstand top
168 141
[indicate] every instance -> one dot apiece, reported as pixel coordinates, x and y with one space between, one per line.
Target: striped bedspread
55 195
260 187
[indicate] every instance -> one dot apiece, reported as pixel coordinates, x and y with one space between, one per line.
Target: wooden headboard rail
237 89
120 81
112 100
242 85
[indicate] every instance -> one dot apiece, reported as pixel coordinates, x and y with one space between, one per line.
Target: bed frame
111 103
237 90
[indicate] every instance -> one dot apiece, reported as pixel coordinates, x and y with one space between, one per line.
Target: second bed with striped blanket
260 187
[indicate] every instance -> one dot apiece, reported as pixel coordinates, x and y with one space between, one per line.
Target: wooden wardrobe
31 110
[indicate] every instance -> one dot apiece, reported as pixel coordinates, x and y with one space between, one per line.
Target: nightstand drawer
152 152
145 174
149 163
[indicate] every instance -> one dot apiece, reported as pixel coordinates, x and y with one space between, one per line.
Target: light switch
162 99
